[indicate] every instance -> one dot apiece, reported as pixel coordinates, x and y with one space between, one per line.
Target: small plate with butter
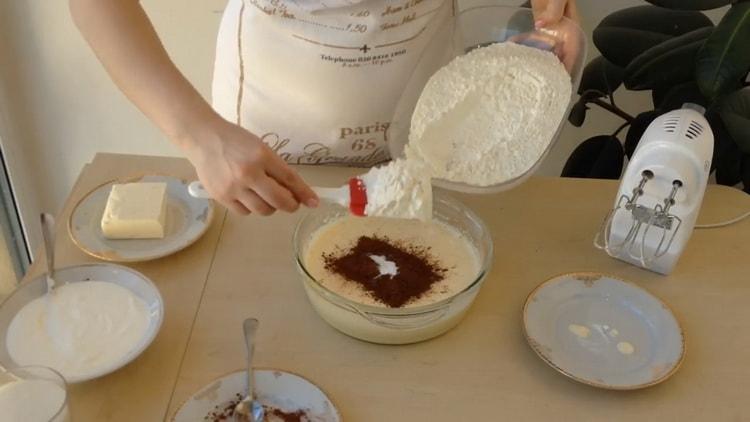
139 219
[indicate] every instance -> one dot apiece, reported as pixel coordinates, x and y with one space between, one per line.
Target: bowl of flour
488 98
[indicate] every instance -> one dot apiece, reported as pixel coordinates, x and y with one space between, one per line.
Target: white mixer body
675 152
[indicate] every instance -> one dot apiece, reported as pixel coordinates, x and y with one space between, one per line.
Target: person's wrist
198 131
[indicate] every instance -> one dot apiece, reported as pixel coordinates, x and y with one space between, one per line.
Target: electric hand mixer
661 192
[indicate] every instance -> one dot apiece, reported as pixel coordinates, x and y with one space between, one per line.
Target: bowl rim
575 79
438 197
133 353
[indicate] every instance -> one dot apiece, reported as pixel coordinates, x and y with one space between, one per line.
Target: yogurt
32 401
81 330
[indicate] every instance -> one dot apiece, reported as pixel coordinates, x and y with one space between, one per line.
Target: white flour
399 189
485 118
385 267
488 116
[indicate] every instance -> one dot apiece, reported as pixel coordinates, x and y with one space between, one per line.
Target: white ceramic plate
283 390
603 331
187 219
132 280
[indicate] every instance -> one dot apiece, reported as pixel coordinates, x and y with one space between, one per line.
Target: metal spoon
48 234
249 409
58 333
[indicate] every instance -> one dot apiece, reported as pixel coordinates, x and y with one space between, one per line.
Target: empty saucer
602 331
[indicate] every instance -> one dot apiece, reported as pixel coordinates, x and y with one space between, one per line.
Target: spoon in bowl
48 234
60 335
249 409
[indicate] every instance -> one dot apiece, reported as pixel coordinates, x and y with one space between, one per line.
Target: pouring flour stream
487 118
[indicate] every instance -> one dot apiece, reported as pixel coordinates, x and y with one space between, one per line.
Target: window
14 252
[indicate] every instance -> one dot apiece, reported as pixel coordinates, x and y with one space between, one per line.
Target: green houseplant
674 50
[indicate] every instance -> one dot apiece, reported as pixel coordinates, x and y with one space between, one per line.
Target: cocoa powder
225 412
288 416
417 269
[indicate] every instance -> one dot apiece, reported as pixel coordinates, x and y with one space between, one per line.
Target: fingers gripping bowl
395 325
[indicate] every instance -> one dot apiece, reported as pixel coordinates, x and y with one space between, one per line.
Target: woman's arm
234 165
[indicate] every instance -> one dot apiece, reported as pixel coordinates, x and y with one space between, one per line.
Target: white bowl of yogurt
99 318
455 237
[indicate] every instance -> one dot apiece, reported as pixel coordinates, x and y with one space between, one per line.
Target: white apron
318 80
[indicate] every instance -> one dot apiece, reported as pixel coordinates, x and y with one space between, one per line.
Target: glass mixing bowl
475 27
395 325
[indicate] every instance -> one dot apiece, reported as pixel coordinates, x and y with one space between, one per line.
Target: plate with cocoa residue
286 397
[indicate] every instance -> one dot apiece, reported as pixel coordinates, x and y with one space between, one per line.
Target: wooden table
481 370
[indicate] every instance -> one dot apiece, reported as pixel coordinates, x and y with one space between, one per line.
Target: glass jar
33 394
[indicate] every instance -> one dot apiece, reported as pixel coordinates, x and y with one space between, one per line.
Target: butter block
136 211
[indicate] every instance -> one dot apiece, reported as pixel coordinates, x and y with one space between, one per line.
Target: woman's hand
240 171
549 12
562 35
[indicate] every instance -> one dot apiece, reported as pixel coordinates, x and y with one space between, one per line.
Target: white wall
58 107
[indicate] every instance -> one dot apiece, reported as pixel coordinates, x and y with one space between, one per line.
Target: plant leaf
578 113
621 45
670 62
656 20
601 75
659 93
636 129
626 33
727 156
668 98
600 157
734 110
746 172
690 4
724 60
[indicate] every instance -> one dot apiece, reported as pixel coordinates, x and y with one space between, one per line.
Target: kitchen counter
481 370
